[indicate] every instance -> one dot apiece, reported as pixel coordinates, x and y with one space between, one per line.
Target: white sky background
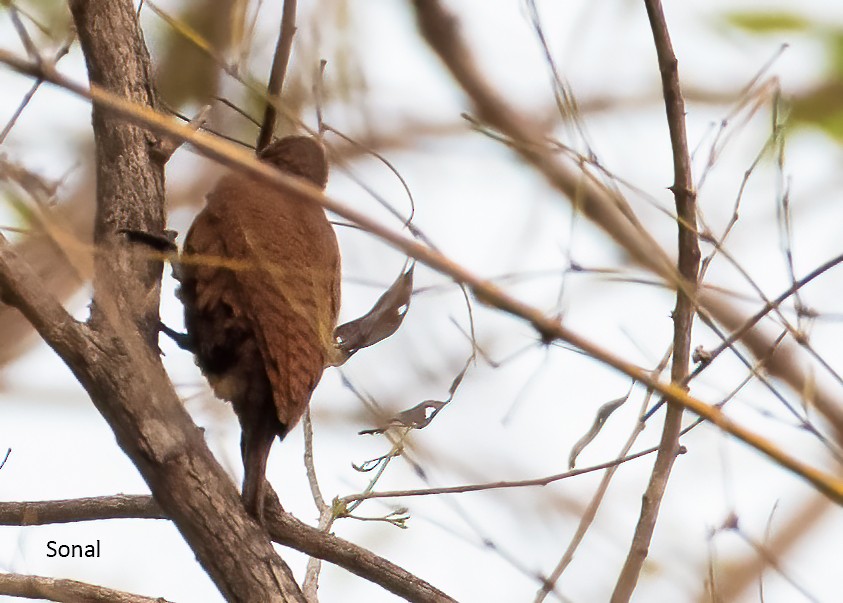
493 215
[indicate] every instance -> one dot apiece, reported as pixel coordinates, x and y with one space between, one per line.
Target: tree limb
45 512
66 591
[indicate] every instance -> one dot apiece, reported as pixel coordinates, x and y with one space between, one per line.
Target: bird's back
263 272
261 287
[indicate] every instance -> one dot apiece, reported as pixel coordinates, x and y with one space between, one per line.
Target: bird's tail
255 444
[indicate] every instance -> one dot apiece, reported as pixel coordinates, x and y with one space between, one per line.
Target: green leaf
762 22
835 49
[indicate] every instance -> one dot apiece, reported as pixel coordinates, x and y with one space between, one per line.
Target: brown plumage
260 285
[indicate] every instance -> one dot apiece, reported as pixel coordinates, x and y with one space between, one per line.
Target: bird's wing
210 292
288 286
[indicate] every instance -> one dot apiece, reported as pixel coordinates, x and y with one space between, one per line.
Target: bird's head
301 156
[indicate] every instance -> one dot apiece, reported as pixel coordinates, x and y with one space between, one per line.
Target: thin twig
278 73
590 512
771 560
683 314
500 485
368 150
742 573
237 110
314 564
62 51
24 36
309 466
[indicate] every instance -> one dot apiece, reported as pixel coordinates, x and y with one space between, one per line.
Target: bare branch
279 70
66 591
28 96
310 584
289 531
120 506
24 36
540 481
683 313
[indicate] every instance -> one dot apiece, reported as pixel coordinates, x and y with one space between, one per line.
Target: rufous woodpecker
260 283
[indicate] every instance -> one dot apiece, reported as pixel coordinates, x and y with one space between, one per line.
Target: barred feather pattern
261 290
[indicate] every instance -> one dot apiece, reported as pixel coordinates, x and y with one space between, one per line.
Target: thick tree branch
130 181
289 531
66 591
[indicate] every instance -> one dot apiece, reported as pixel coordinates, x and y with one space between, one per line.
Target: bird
260 284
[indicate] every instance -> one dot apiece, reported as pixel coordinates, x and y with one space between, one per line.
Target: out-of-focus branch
66 591
20 288
48 253
548 328
735 577
683 313
441 31
609 211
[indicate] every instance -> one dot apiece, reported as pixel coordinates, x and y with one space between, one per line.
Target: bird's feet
183 340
